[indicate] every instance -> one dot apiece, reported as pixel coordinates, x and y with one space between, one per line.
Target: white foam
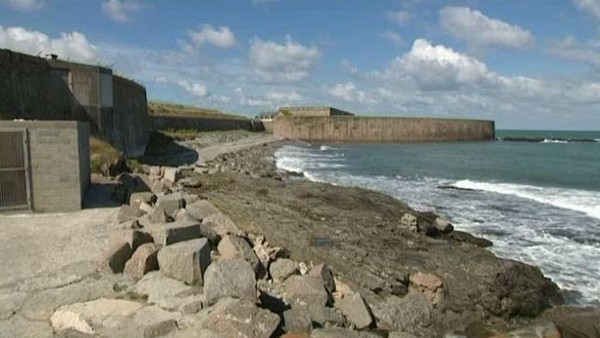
587 202
325 148
549 140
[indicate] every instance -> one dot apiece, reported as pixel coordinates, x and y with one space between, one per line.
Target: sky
525 64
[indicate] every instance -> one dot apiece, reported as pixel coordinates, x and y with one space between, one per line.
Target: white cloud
283 96
393 37
290 61
69 46
570 48
196 89
401 18
26 5
349 92
222 37
478 30
589 6
120 10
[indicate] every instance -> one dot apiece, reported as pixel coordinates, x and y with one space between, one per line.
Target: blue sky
525 64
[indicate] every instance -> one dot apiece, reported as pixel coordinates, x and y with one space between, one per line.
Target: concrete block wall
382 129
130 130
313 111
59 168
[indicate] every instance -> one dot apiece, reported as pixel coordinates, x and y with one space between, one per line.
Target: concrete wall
59 166
205 124
131 123
382 129
312 111
36 88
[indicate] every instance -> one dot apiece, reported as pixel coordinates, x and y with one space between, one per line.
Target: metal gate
14 174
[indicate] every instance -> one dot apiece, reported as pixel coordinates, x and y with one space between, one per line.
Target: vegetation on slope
160 108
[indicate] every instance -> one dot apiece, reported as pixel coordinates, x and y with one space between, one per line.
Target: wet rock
297 319
306 289
229 278
356 310
234 247
282 269
323 272
241 318
185 261
144 260
462 236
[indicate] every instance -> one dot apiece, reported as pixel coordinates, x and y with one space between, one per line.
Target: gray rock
222 225
353 306
334 332
241 318
143 260
229 278
174 232
171 203
325 316
128 213
297 320
282 269
151 321
135 238
323 272
163 291
171 174
136 199
185 261
306 289
234 247
443 225
410 313
116 255
201 209
159 215
193 304
147 208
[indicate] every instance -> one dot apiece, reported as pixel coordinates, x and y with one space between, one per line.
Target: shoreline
304 217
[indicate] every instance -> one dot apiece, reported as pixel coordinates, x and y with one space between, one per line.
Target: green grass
102 152
160 108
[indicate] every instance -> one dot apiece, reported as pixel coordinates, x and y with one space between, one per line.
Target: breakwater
382 129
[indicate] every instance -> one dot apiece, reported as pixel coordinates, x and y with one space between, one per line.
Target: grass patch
102 152
160 108
181 134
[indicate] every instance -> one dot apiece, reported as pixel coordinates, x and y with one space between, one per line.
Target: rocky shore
233 247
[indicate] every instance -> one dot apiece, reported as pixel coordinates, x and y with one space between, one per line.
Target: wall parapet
382 129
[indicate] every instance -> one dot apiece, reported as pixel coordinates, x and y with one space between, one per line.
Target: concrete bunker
44 165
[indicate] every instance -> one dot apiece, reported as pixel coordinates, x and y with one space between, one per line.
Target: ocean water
535 194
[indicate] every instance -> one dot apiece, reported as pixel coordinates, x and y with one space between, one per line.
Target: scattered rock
334 332
356 310
144 260
201 209
147 208
155 171
163 291
138 198
128 213
134 238
282 269
234 247
189 182
325 316
323 272
306 289
297 319
192 304
171 203
116 255
175 232
152 321
443 225
229 278
222 225
185 261
171 174
159 215
241 318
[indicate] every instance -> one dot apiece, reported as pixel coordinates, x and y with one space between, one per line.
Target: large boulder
174 232
116 256
353 306
234 247
144 260
306 289
241 318
185 261
229 278
297 319
171 203
135 238
323 272
201 209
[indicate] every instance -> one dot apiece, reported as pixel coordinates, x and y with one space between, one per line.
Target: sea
534 194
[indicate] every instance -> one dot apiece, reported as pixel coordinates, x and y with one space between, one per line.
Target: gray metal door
14 182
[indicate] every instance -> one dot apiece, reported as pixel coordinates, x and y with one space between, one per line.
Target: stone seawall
382 129
205 124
